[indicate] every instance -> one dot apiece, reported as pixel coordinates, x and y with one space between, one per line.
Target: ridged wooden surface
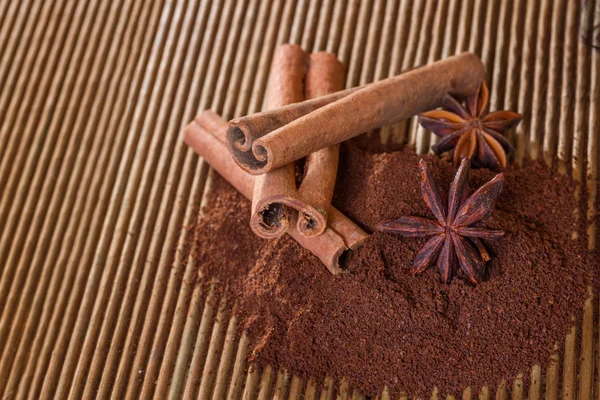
97 188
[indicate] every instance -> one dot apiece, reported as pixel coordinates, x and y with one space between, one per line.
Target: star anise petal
411 227
452 105
477 103
469 259
428 254
501 121
448 142
480 204
432 193
489 151
479 232
504 142
466 146
459 189
447 260
443 116
439 126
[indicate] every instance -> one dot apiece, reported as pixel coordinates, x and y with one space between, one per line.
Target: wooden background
96 184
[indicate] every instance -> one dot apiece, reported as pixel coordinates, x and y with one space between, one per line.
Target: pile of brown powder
378 325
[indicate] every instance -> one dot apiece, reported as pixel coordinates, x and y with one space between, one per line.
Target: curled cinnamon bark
209 144
262 142
340 236
275 193
325 76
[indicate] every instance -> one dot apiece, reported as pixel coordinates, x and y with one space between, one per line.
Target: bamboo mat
97 188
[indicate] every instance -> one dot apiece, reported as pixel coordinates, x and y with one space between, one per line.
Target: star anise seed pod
458 230
470 131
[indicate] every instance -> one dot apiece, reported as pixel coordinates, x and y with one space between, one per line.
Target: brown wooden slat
12 54
60 287
39 244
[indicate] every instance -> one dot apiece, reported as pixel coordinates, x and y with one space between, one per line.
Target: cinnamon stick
262 142
276 197
331 247
275 193
205 137
325 76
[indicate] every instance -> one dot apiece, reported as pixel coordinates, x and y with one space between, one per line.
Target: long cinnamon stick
262 142
275 193
331 247
325 76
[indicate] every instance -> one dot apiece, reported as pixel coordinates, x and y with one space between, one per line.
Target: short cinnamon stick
275 193
262 142
325 76
206 137
331 247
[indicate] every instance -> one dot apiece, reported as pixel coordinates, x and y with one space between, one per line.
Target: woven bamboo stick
46 244
88 255
582 88
29 236
401 130
422 48
136 310
390 21
552 376
586 362
449 42
166 340
422 136
266 383
554 75
513 69
212 358
526 82
117 247
220 85
32 90
345 46
323 27
312 16
397 132
16 273
11 14
295 388
369 60
592 141
260 82
570 365
565 126
46 342
12 55
498 72
234 84
281 384
354 63
159 310
250 67
538 103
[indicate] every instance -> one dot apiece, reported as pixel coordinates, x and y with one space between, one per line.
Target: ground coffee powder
378 325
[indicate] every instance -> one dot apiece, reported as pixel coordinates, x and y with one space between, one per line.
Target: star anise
458 231
470 131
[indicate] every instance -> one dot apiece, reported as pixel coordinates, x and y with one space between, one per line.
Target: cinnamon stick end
311 224
270 219
241 148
